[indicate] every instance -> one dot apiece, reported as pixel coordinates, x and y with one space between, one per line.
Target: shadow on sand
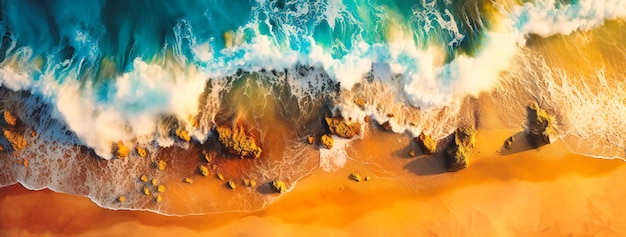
518 144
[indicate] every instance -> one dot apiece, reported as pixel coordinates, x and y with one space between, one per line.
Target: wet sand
543 192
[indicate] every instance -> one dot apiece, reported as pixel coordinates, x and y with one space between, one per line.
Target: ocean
83 77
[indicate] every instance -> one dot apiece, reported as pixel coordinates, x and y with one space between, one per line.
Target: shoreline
502 194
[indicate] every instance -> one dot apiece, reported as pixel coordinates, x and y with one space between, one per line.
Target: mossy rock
341 128
541 126
459 151
237 143
426 143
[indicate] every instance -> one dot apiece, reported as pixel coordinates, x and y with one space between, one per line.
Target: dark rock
540 126
457 154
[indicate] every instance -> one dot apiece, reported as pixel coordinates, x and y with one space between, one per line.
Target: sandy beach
543 192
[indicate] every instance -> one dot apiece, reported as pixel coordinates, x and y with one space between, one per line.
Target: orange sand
544 192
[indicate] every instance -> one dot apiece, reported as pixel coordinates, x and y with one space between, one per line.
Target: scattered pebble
232 184
158 199
252 183
204 171
154 181
146 191
412 153
144 178
367 178
310 139
161 188
25 163
279 186
188 180
121 199
356 177
161 165
220 176
141 152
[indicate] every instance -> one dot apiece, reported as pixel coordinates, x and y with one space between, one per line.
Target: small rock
279 186
246 182
144 178
367 178
310 139
356 177
154 181
183 134
509 142
25 163
1 148
412 153
161 188
141 152
231 184
204 171
367 119
428 145
9 118
387 126
188 180
158 199
327 141
220 176
33 133
121 199
390 115
161 165
209 156
252 183
121 151
146 191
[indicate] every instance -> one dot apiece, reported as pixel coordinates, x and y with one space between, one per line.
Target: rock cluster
341 128
9 119
237 142
540 126
457 154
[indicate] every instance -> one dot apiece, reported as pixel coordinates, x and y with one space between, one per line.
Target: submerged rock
121 199
9 118
412 153
360 102
428 145
327 141
121 151
460 149
279 186
237 142
540 126
161 188
144 178
341 128
310 139
16 140
509 142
